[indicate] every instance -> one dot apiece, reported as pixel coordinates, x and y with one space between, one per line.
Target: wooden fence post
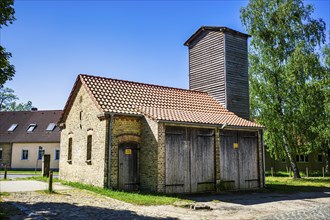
272 171
323 171
307 172
5 175
50 182
290 171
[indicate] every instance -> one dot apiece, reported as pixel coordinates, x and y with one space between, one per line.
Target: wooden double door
239 160
190 156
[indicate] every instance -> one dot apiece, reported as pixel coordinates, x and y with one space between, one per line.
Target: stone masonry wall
148 155
82 120
161 158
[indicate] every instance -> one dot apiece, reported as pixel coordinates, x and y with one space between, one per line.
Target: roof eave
227 127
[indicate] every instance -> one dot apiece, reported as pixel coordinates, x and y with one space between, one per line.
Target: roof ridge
146 84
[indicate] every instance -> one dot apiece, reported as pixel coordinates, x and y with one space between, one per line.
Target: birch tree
287 77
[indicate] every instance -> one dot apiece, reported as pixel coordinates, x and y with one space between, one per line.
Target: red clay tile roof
156 102
23 119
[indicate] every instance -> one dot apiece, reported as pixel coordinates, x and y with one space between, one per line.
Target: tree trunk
292 161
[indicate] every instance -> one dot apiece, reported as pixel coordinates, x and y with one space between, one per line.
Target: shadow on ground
257 197
65 211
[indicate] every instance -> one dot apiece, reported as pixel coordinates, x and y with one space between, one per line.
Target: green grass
26 172
288 184
302 174
130 197
38 178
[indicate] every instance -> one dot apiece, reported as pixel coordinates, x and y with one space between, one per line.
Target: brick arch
132 138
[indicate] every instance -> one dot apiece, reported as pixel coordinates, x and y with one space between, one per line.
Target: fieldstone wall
82 120
161 158
6 154
148 155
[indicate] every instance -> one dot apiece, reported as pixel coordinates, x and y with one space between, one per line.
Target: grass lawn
288 184
27 172
130 197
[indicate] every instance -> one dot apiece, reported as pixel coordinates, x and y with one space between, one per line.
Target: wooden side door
248 154
128 178
177 160
202 160
229 166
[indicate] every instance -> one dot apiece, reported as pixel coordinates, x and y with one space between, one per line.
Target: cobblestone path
81 204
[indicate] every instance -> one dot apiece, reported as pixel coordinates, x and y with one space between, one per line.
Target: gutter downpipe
109 150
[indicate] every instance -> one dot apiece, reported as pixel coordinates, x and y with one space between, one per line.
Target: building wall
149 155
82 121
33 150
313 164
218 64
6 154
237 77
125 129
207 65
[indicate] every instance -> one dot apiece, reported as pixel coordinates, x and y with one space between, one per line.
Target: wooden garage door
189 160
238 160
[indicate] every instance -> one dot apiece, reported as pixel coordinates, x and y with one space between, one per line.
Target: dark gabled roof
214 28
153 101
25 118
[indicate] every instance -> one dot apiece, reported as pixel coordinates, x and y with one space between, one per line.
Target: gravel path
81 204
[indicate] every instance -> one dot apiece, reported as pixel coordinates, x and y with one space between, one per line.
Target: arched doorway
128 177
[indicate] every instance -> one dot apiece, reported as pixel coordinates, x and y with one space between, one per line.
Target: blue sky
53 41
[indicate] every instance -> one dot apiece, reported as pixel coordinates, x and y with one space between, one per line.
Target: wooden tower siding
218 64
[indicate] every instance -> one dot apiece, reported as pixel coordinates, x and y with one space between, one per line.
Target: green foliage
8 101
7 12
288 82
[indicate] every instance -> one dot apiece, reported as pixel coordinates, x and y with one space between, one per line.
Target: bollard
272 171
50 182
306 171
5 175
323 171
290 171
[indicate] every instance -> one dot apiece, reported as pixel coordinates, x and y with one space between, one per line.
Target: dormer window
51 127
31 127
12 127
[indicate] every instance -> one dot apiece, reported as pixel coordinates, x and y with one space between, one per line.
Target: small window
25 154
57 154
31 127
12 127
70 150
89 148
0 153
302 158
319 158
51 127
